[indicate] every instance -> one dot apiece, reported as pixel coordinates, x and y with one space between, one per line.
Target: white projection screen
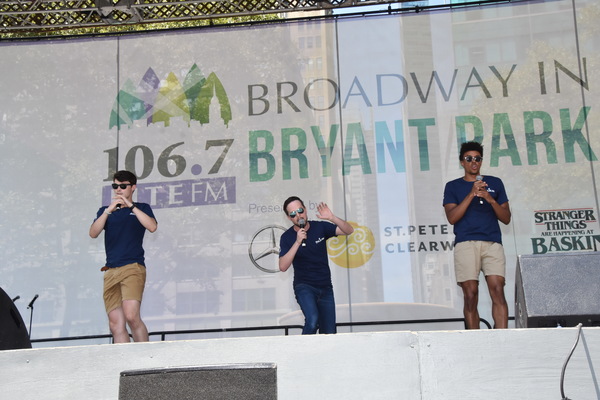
221 125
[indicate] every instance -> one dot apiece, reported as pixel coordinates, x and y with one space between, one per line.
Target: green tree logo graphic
156 102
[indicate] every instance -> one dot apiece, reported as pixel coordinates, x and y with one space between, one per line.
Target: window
253 299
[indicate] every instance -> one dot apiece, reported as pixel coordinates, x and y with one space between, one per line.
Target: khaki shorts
473 256
123 283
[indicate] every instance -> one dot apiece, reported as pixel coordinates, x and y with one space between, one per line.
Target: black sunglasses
298 211
121 185
471 158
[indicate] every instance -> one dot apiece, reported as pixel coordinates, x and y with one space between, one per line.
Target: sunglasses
121 185
298 211
471 158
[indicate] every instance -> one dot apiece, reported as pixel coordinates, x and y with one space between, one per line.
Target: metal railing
40 15
285 328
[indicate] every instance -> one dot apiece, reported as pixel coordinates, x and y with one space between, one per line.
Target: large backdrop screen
222 125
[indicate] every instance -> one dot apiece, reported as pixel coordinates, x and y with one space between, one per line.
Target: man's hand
324 212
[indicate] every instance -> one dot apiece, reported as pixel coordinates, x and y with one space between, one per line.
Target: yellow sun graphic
352 251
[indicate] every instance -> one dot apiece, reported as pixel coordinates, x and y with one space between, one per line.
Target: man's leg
499 307
306 297
471 298
112 303
116 323
326 304
132 289
131 311
467 267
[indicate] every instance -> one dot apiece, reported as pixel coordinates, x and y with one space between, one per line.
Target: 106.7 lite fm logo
154 101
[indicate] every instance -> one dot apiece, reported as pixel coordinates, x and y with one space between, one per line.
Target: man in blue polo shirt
124 224
474 204
305 245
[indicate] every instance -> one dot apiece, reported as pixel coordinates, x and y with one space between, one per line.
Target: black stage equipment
234 381
557 290
13 334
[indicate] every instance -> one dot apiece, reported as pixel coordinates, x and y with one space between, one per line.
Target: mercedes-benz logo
263 245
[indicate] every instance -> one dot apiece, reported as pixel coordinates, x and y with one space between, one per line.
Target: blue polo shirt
480 221
123 236
311 263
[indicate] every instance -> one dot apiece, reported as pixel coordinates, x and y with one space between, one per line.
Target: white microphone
302 224
480 178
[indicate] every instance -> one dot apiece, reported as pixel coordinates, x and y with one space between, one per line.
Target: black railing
285 328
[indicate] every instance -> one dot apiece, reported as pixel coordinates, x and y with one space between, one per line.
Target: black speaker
13 333
226 382
557 290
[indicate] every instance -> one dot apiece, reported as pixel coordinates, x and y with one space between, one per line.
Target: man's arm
147 221
454 212
502 212
342 227
285 261
98 225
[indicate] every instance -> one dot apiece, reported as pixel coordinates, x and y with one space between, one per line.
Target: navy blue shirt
123 236
311 263
480 221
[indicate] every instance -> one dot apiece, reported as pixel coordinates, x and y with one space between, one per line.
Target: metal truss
45 15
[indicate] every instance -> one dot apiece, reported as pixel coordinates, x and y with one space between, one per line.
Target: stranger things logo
565 230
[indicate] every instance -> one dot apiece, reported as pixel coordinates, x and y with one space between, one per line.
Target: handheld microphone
480 178
302 224
33 301
16 298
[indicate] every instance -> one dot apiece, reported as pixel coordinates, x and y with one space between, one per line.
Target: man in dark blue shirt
124 224
474 204
304 245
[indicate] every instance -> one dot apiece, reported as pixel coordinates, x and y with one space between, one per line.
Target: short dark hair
470 146
125 176
289 200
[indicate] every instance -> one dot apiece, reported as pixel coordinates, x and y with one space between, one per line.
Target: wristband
107 212
132 206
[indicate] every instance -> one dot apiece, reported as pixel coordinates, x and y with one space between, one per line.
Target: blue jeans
318 307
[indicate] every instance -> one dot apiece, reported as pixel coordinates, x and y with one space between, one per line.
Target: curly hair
470 146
